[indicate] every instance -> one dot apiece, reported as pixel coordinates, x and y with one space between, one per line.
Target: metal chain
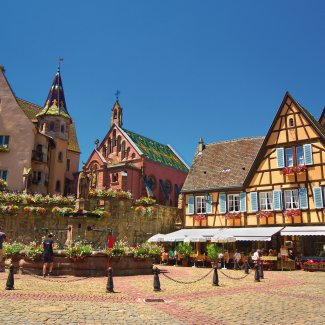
189 282
233 278
53 280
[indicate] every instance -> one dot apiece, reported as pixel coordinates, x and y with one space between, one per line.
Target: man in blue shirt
48 254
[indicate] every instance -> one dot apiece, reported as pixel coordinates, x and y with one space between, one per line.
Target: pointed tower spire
117 114
55 103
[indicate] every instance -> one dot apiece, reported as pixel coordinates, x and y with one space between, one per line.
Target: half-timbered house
273 184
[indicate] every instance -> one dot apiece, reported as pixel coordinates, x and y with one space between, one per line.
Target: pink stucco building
128 161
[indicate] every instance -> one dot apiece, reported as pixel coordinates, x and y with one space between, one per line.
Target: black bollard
257 274
156 281
215 281
110 285
261 271
10 280
246 268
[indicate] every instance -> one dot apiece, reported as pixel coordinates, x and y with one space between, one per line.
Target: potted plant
184 249
213 253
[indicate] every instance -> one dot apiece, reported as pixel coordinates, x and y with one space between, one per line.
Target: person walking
2 239
48 255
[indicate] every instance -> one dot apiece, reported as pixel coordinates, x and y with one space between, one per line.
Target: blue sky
186 69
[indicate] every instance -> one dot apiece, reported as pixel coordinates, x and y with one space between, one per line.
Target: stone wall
123 222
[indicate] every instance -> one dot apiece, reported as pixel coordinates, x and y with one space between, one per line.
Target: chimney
201 147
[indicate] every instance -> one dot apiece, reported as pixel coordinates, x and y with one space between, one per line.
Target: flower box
200 217
264 214
291 213
293 170
232 215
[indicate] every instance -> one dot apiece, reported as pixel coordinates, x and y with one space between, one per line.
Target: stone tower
54 121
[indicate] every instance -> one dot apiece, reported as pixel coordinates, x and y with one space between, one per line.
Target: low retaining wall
90 266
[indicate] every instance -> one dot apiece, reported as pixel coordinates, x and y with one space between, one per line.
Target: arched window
123 153
114 138
291 122
51 128
115 114
109 146
60 157
119 143
133 155
104 151
58 186
62 128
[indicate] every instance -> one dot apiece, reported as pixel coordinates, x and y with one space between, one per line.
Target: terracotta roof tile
222 164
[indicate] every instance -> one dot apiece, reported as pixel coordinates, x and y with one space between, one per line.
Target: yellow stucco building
272 186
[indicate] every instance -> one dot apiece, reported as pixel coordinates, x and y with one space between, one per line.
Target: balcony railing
37 156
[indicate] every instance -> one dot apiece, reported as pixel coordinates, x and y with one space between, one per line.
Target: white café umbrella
219 238
156 238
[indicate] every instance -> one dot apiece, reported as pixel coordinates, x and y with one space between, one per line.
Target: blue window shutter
308 154
254 204
222 203
277 200
280 157
242 201
190 206
208 203
318 197
303 198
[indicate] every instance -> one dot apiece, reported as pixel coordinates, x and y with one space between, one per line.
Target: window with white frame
300 156
233 203
291 199
3 174
288 157
266 201
200 204
4 141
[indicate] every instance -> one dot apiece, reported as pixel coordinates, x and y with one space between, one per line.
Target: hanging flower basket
144 211
9 209
293 170
232 215
264 214
291 213
200 217
34 210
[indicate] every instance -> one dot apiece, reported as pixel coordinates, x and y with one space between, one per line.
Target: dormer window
291 122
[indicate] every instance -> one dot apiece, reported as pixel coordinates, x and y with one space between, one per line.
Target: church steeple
55 103
117 114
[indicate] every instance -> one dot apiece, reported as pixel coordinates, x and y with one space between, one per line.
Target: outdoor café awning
252 233
304 231
247 234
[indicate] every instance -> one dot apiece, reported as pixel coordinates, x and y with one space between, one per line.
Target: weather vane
60 60
117 94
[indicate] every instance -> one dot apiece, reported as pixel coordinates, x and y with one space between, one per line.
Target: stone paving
295 297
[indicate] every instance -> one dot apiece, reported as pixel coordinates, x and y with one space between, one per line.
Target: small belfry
117 112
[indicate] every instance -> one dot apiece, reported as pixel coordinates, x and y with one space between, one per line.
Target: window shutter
318 197
208 203
222 203
308 154
277 200
254 204
190 206
242 201
303 198
280 157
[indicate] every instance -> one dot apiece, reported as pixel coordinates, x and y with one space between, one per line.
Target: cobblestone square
295 297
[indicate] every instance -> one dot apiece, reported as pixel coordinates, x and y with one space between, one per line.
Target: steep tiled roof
55 103
222 164
156 151
31 110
